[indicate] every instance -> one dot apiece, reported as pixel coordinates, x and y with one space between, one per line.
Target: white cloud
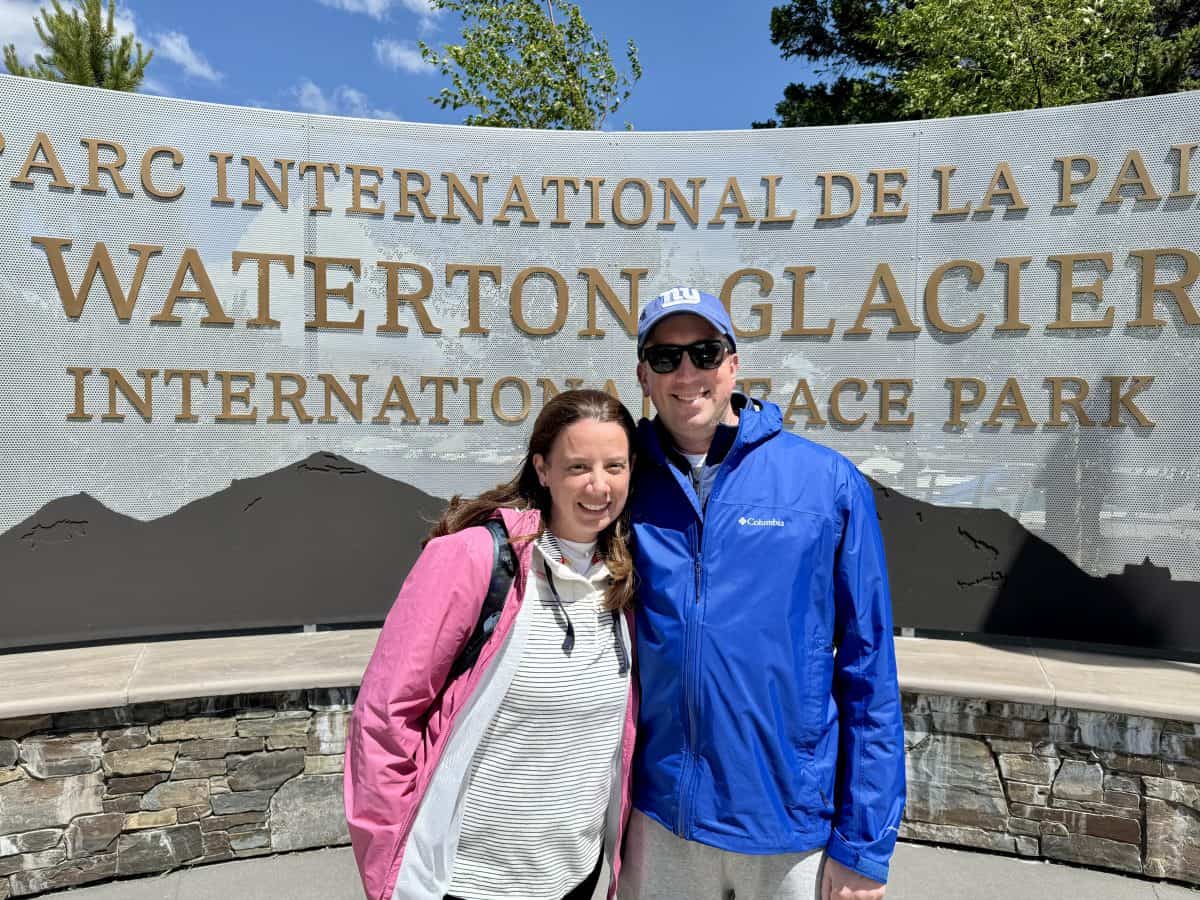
16 25
175 46
424 10
341 101
154 86
401 55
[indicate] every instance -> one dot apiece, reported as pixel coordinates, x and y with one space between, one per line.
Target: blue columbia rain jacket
770 717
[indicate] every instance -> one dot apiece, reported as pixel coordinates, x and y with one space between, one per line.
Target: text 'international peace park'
408 299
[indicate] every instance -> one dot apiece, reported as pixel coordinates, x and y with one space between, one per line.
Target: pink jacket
410 743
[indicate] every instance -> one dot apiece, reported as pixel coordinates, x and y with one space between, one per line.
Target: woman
509 780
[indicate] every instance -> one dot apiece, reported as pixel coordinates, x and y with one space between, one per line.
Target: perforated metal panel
1104 496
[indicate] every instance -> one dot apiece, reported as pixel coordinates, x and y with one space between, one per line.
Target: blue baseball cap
685 300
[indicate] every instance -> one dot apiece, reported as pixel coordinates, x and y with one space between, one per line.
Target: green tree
899 59
518 67
83 49
982 56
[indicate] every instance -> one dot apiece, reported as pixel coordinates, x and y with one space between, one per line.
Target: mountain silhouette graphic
323 541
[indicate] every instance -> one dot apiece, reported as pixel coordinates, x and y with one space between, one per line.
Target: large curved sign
996 318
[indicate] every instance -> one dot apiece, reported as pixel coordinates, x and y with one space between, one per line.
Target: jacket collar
758 420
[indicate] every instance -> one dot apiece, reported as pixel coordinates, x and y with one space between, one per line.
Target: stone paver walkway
919 873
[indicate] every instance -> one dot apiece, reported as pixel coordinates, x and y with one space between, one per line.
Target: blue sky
707 65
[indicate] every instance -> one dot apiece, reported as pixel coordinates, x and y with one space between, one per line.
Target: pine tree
83 49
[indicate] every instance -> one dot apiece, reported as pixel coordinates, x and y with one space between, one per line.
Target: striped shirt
539 785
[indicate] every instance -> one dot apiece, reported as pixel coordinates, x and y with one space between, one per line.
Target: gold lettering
1119 400
516 198
322 292
933 313
672 193
799 275
221 197
112 167
320 170
49 163
762 311
1012 298
594 184
142 403
598 286
1183 173
550 389
1067 180
885 193
421 194
835 401
473 273
79 413
944 208
241 395
440 383
358 190
893 305
454 188
185 376
99 263
147 173
1068 290
1003 184
1148 287
190 263
263 318
516 296
827 180
772 216
256 174
560 184
959 403
618 200
416 299
1058 400
1139 179
808 406
472 384
732 201
396 397
889 404
1010 402
522 391
299 389
333 388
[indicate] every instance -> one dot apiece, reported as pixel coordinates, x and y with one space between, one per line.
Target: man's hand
840 883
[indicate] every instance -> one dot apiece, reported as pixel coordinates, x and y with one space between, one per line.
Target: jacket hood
521 523
758 421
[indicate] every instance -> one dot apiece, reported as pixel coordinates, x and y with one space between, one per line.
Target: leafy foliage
982 56
83 49
518 67
899 59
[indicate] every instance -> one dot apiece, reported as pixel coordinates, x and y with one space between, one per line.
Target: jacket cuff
850 857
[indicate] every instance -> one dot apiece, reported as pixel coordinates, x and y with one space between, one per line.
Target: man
770 762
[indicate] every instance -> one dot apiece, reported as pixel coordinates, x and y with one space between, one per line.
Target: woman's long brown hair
525 490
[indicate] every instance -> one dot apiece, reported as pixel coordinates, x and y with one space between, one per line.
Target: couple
749 565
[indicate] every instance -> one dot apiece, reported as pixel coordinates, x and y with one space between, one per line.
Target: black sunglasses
706 354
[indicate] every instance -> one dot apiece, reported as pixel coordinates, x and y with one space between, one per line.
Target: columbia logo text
761 523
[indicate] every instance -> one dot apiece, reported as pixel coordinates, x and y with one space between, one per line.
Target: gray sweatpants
657 865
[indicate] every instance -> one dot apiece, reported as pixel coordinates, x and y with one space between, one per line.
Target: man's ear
733 357
642 378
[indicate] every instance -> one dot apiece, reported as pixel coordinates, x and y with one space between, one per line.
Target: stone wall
101 794
1106 790
90 796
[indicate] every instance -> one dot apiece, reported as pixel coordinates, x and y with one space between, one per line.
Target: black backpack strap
504 569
